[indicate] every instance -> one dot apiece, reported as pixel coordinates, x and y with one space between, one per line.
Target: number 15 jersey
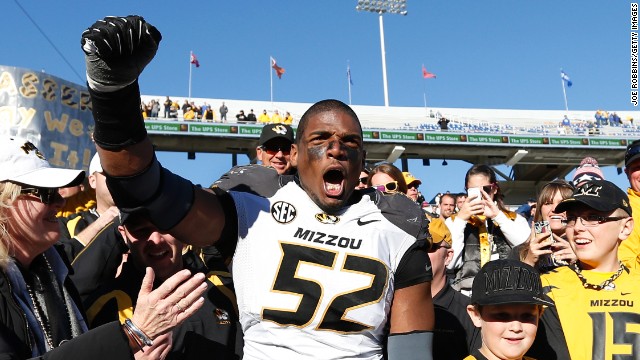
597 324
320 286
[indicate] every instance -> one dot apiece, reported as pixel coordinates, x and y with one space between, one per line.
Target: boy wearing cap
454 334
275 147
506 304
597 298
629 251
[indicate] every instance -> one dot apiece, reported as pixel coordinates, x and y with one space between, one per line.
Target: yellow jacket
276 118
264 118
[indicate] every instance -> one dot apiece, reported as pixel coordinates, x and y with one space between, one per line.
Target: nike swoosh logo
362 223
625 293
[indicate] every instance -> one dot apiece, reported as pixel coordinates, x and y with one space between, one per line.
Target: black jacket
213 332
107 342
98 262
72 225
454 335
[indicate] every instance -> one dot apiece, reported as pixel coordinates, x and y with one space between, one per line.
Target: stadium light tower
381 7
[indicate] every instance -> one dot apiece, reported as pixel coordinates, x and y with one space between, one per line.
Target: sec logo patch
283 212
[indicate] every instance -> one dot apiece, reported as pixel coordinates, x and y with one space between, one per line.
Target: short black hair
324 106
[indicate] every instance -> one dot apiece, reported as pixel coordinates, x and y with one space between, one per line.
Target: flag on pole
565 77
426 74
349 75
194 60
279 70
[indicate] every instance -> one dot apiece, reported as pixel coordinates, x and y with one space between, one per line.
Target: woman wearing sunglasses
484 229
38 303
546 249
387 178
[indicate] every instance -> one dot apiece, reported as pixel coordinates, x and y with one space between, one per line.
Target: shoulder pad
256 179
403 213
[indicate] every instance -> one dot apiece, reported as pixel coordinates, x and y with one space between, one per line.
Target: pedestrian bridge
55 114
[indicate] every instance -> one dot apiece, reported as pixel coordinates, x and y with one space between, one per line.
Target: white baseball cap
22 162
95 164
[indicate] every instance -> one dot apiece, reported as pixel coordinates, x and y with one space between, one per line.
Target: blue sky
493 54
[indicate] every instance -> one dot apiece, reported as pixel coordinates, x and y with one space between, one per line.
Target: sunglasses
274 149
363 180
388 187
488 188
46 195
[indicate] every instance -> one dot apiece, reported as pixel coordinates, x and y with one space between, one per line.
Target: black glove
117 49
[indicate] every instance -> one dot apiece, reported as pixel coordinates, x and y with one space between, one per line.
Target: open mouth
158 254
333 182
582 242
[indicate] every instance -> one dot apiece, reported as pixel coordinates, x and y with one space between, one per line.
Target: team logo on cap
223 316
511 278
283 212
280 130
590 190
327 219
28 147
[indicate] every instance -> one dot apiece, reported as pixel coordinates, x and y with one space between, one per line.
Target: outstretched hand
117 49
563 252
164 308
491 209
538 246
472 206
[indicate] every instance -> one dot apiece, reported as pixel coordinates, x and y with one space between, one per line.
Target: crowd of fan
543 233
190 111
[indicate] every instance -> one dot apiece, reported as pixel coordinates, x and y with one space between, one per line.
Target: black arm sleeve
118 118
414 267
229 236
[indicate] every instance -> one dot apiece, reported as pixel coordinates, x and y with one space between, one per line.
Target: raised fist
117 49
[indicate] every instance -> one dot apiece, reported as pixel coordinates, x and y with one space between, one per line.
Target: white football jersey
311 285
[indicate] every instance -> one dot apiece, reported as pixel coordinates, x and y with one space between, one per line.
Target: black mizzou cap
506 281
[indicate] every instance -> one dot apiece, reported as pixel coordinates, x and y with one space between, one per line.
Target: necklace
38 309
605 285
